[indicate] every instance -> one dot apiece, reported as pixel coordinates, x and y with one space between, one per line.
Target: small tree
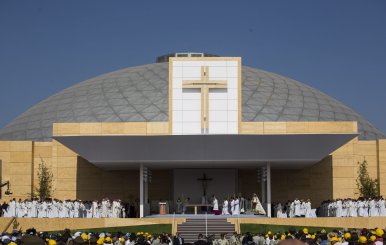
44 188
368 187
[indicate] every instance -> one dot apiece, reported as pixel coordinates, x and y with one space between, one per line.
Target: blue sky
338 47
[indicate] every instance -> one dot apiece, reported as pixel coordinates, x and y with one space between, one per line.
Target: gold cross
204 85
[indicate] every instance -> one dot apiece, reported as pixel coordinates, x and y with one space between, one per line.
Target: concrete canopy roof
140 94
205 151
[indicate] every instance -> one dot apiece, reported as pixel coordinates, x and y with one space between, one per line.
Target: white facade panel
218 127
177 71
191 105
177 105
177 127
177 116
191 128
232 72
218 116
191 94
232 63
218 94
191 116
233 127
218 105
193 72
233 105
233 94
233 116
222 102
218 73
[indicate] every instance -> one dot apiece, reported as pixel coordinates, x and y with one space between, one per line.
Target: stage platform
57 224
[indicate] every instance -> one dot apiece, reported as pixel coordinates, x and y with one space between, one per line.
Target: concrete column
141 191
262 181
146 196
269 189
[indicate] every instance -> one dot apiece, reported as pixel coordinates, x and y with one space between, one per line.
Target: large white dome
140 93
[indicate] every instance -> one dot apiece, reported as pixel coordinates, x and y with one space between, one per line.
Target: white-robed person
307 209
366 207
232 205
94 208
179 205
297 206
278 210
256 205
382 207
225 207
34 208
372 208
292 210
236 207
104 209
216 210
338 208
353 210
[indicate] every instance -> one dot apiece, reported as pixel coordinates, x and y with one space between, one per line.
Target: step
203 225
190 229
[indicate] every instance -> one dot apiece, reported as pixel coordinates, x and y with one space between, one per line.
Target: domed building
186 116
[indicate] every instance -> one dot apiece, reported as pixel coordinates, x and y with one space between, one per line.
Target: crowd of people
293 209
53 208
361 207
290 237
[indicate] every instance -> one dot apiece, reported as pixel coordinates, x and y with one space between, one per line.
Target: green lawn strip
152 229
258 228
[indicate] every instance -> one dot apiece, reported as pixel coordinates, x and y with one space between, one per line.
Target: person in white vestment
372 208
103 209
302 208
225 207
278 210
94 209
18 208
76 209
292 210
378 204
232 205
34 209
366 208
338 208
382 209
256 205
297 205
361 206
307 209
81 210
236 207
215 205
179 206
45 209
353 209
186 202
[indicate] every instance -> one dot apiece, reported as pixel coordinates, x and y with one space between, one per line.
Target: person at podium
216 211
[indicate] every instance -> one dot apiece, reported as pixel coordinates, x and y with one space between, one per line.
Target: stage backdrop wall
185 183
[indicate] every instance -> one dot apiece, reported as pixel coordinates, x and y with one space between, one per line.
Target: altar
187 183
